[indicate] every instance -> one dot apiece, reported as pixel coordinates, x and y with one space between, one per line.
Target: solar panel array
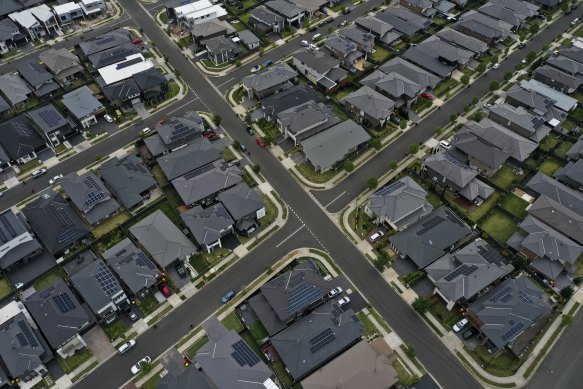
50 117
21 128
537 121
93 197
7 226
64 302
67 237
199 171
244 355
296 279
321 340
136 167
180 131
430 224
525 298
490 254
502 295
91 183
548 103
27 332
106 280
301 296
463 269
391 188
456 161
59 215
130 62
101 41
139 259
278 281
512 332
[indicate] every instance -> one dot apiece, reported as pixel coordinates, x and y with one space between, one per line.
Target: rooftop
269 78
207 225
371 102
16 242
96 284
196 155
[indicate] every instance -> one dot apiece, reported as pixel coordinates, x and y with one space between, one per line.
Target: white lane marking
229 80
292 234
336 198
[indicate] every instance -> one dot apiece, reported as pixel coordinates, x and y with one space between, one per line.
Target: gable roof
562 101
567 65
572 173
38 77
285 8
180 128
82 103
16 242
374 24
292 97
207 225
362 38
534 101
370 102
162 239
212 27
61 62
411 72
106 41
451 167
241 201
438 56
548 74
14 88
123 90
310 5
247 37
484 25
559 217
221 44
501 13
574 53
480 149
469 270
20 347
127 178
112 55
88 281
462 40
9 6
199 153
54 222
340 44
48 118
559 192
508 116
265 16
4 106
149 78
270 77
58 313
18 138
519 7
202 183
576 151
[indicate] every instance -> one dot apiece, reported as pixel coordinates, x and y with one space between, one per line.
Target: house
201 184
482 27
413 73
571 174
398 88
536 104
46 17
576 151
124 69
250 40
277 304
211 29
398 204
566 65
123 94
93 8
574 53
100 289
196 155
68 13
106 41
129 180
29 24
264 21
17 243
14 89
461 276
421 7
522 8
312 6
10 36
153 84
320 68
520 121
438 56
506 314
52 124
291 12
54 222
229 362
269 81
548 4
174 133
369 106
161 238
325 149
359 366
306 120
541 184
208 225
133 267
559 216
463 41
182 376
4 106
562 101
343 49
245 207
83 105
383 32
221 50
404 21
364 40
501 13
60 316
289 98
63 64
556 79
112 55
479 153
317 338
88 193
19 140
196 12
9 6
429 238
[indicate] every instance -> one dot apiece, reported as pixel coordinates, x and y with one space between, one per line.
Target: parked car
521 45
396 120
457 327
344 23
181 270
428 96
376 236
346 11
108 118
38 172
242 147
55 179
209 134
469 333
228 297
165 289
267 63
161 121
138 366
575 21
260 142
133 316
255 69
124 348
488 105
313 47
250 131
330 20
305 43
1 194
334 292
146 131
496 66
343 301
445 144
313 28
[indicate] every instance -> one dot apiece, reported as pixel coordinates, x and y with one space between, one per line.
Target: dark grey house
558 215
153 85
104 42
196 155
284 100
368 105
112 55
17 243
62 63
38 77
269 81
556 79
571 174
176 132
19 140
208 225
264 21
245 207
52 124
123 94
221 50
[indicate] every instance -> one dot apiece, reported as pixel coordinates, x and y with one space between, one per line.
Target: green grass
85 371
380 320
548 142
30 165
515 205
109 240
258 330
115 329
212 65
402 373
342 93
111 223
577 113
446 317
505 178
238 94
549 166
282 374
60 148
74 361
160 176
310 174
478 212
369 327
380 54
48 278
228 155
152 382
163 312
443 87
232 322
364 222
164 17
148 304
503 365
433 199
173 196
199 264
191 351
5 288
499 226
561 151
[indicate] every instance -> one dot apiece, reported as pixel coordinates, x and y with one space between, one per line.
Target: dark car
330 20
346 11
396 120
181 270
521 45
313 28
250 131
469 333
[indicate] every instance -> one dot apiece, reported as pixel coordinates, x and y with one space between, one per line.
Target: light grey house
269 81
383 32
571 174
479 153
62 63
369 106
558 215
83 105
462 40
306 120
106 41
541 184
14 89
208 225
576 151
249 39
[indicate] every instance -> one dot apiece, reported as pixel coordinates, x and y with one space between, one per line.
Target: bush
414 149
465 79
238 63
567 292
256 168
403 124
494 85
438 130
466 108
508 75
237 145
372 182
530 56
453 117
409 351
217 119
534 28
475 100
481 68
376 143
348 166
394 164
421 305
520 262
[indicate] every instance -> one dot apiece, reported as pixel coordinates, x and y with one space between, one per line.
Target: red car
162 121
260 142
210 134
428 96
165 289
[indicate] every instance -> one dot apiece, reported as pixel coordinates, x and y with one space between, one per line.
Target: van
316 37
124 348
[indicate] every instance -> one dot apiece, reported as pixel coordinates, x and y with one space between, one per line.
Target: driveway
404 266
141 110
99 344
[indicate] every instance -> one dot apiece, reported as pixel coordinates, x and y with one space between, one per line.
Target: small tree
237 144
475 100
414 149
466 108
567 292
545 47
568 43
567 320
394 164
438 130
217 119
531 56
421 304
403 124
256 168
508 75
494 85
494 59
453 117
465 79
564 7
248 119
372 183
348 166
534 28
520 262
238 63
522 36
261 51
481 68
376 143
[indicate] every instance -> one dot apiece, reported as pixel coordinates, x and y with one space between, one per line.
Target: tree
545 47
567 292
453 117
508 75
376 143
564 7
465 79
403 124
248 119
421 305
256 168
438 130
414 148
466 108
567 320
238 63
475 100
481 68
494 59
348 166
372 182
568 43
217 119
534 28
394 164
261 51
531 56
494 85
236 145
520 262
522 35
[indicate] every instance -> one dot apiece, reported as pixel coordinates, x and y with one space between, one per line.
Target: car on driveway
396 120
139 366
343 301
181 270
334 292
445 144
376 236
228 297
165 289
38 172
161 122
55 179
428 96
457 327
575 21
209 134
496 66
108 118
133 316
124 348
524 61
260 142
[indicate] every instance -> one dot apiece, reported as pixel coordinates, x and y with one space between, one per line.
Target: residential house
400 89
123 94
129 180
398 204
203 184
10 36
126 68
576 151
62 63
317 338
160 237
52 124
228 361
320 68
421 7
28 24
566 65
364 40
196 12
88 193
264 21
507 314
404 21
19 140
196 155
14 89
306 120
461 276
291 12
520 121
482 27
431 237
4 106
93 8
277 305
289 98
414 73
562 101
208 225
369 106
105 41
571 174
68 13
100 289
10 6
383 32
60 316
325 149
556 79
17 243
536 104
559 216
83 105
343 49
245 207
174 133
133 267
477 152
221 50
181 376
153 84
112 55
211 29
54 222
250 40
501 13
312 6
519 7
46 17
464 41
269 81
541 184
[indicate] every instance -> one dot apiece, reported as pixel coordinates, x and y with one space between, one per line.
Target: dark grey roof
196 155
404 21
573 53
4 106
217 359
431 237
311 5
510 116
266 16
275 75
16 242
162 239
559 217
205 182
519 7
285 8
54 222
19 138
212 27
20 348
48 118
123 90
548 74
480 149
220 44
466 272
112 55
61 62
364 39
462 40
567 65
497 12
317 338
374 24
82 103
308 118
452 168
96 284
187 378
571 173
38 77
207 225
484 25
14 88
181 128
317 60
476 189
132 266
89 195
58 313
411 72
536 102
576 151
9 6
510 309
438 56
370 102
106 41
127 178
148 79
247 37
241 201
292 97
340 44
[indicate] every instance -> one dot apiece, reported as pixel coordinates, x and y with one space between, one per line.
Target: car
228 297
124 348
457 327
428 96
451 19
250 131
255 69
313 47
55 179
138 366
376 236
133 316
478 201
242 147
1 194
330 20
344 23
312 29
556 53
488 105
396 120
260 142
568 12
108 118
39 172
343 301
524 61
469 333
521 45
575 21
496 66
267 63
445 144
334 292
346 11
161 122
145 131
181 270
165 289
209 134
316 37
305 43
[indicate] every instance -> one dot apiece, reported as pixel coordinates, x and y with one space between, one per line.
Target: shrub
372 182
348 166
421 304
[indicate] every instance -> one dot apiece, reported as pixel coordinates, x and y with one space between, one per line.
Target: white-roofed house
93 8
67 13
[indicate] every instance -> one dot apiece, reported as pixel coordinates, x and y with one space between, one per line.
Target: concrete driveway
99 344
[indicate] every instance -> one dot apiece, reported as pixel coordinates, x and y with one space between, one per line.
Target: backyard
5 288
499 226
515 205
258 330
380 54
48 278
549 142
503 364
549 166
111 223
476 213
561 151
505 178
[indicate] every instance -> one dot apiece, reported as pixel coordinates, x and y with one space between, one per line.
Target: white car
575 21
255 69
376 236
445 144
138 366
335 292
305 43
496 66
146 131
524 61
457 327
108 118
38 173
343 301
55 179
313 47
488 105
124 348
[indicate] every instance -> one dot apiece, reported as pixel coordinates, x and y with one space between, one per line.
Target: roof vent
46 196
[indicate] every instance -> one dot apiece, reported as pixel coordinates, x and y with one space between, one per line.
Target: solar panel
296 279
512 332
430 224
21 128
244 355
67 237
93 197
27 333
134 166
64 302
500 294
302 296
7 225
458 162
103 40
59 215
50 117
21 339
490 254
106 280
91 183
139 259
278 281
506 298
525 298
463 269
131 62
323 339
320 336
390 188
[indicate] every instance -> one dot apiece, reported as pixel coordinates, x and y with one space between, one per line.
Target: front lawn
364 224
505 178
309 173
499 226
211 65
445 86
369 327
515 205
549 166
115 329
503 365
148 304
446 317
192 350
74 361
199 264
111 223
232 322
